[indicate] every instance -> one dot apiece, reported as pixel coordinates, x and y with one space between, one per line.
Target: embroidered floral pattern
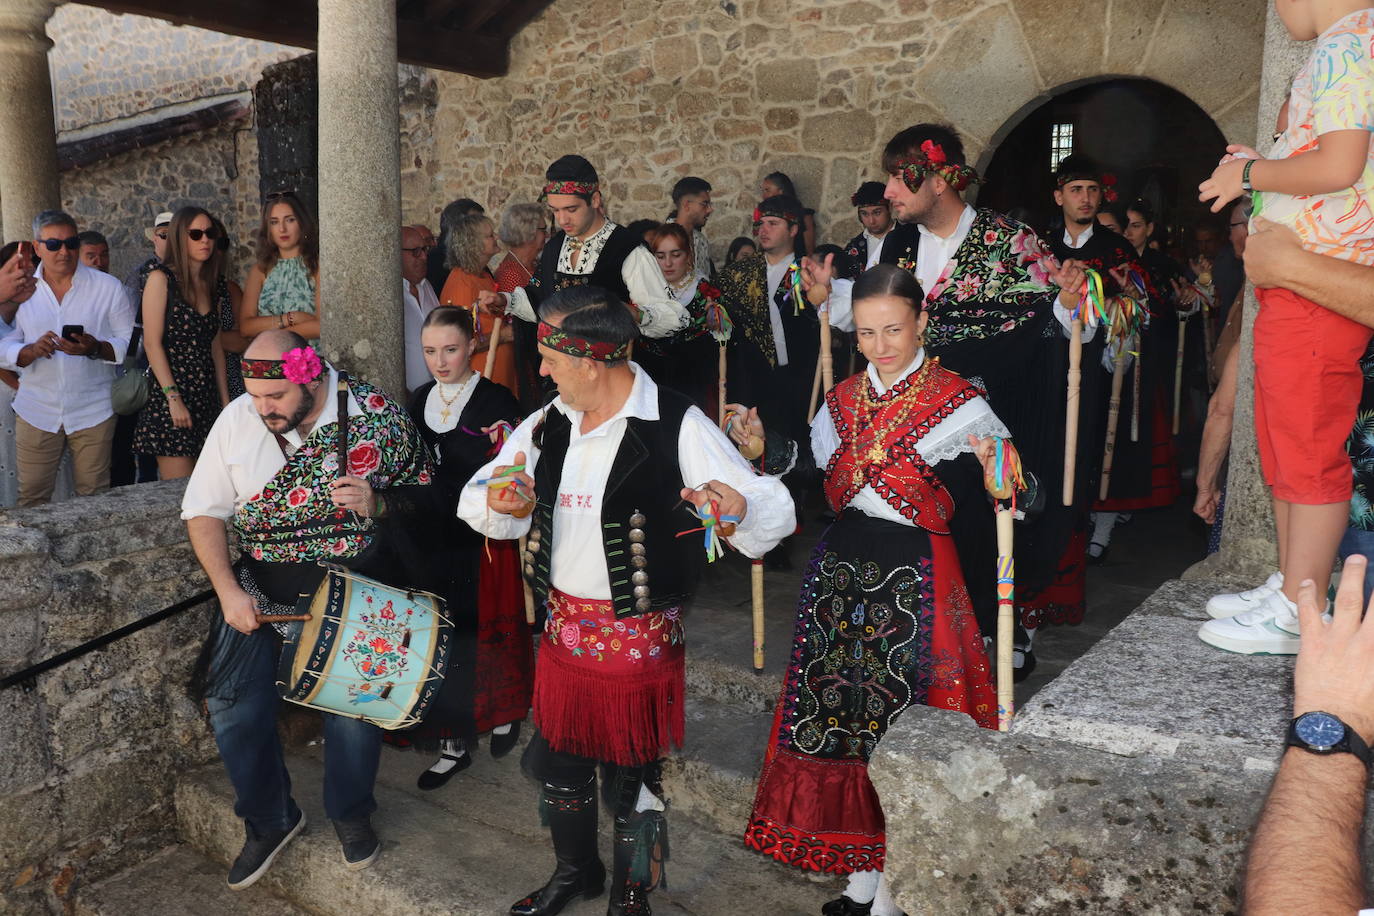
590 631
294 520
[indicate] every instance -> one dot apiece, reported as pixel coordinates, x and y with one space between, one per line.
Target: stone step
473 846
173 882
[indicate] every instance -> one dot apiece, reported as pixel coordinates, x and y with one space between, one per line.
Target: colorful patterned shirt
1334 91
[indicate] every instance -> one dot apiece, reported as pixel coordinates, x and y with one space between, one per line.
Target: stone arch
1156 141
1007 58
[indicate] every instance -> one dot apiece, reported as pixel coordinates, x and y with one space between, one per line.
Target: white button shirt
875 247
67 392
241 455
579 561
416 310
776 274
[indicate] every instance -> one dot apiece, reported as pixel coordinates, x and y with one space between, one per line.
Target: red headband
557 339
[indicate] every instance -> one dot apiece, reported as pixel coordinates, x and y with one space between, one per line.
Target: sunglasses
161 233
280 195
418 250
196 235
71 244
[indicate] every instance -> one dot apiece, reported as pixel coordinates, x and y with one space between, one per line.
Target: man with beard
691 209
1000 308
271 467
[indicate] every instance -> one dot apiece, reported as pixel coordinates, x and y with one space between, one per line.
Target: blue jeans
1361 542
243 713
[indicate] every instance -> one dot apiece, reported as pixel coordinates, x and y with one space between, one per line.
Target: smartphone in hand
72 331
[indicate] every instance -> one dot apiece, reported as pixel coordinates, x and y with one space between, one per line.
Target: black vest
649 567
606 274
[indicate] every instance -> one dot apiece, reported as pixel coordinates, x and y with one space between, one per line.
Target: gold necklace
876 453
448 402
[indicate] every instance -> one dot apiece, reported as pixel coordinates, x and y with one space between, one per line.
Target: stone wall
734 89
89 758
106 66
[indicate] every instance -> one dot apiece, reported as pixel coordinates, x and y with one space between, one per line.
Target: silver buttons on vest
639 560
531 551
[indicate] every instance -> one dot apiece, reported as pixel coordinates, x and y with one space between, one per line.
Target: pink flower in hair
301 365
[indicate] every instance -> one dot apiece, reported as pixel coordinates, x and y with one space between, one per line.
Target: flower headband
933 161
580 188
556 339
299 366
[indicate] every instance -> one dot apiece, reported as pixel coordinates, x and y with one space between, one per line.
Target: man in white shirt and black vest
587 249
603 481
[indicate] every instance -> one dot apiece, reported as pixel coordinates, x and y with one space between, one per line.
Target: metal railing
28 677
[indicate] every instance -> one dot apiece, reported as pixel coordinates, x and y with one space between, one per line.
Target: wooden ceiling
465 36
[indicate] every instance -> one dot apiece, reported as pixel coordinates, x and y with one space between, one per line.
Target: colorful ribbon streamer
711 521
794 285
718 323
1092 295
1007 473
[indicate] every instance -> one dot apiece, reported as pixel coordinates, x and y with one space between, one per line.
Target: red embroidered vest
878 437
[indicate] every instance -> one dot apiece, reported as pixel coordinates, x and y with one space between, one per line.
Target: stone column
1249 549
360 191
28 137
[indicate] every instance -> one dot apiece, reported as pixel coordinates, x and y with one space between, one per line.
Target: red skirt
1064 600
505 656
610 689
884 623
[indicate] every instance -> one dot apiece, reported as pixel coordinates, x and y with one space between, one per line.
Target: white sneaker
1229 604
1271 628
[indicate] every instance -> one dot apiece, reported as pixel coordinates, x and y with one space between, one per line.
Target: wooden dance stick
815 392
493 346
1178 370
1135 406
827 358
1003 491
1206 337
720 371
756 587
1113 414
282 618
1071 417
525 584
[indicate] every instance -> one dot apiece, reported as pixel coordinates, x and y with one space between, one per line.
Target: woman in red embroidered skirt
884 621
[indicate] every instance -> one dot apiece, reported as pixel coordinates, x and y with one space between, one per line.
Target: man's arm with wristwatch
1305 852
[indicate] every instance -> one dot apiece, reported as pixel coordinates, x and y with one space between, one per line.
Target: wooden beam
295 23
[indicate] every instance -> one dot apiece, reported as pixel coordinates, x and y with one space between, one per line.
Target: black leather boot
571 815
641 847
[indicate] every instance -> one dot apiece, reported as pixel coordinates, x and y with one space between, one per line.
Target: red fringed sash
609 689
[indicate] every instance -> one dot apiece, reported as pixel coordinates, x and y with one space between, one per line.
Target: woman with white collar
688 361
885 619
460 415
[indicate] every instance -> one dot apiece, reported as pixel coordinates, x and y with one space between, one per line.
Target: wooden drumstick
1002 488
827 358
282 618
1113 415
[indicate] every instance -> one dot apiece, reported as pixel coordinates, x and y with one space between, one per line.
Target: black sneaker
258 852
360 844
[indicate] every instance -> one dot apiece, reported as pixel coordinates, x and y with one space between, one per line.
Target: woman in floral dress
182 299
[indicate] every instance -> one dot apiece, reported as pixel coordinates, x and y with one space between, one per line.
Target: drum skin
369 651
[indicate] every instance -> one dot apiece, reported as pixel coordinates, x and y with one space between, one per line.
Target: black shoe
846 907
1097 553
360 844
501 745
1023 663
432 780
259 851
567 882
633 900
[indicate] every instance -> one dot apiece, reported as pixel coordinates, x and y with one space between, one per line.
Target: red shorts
1308 385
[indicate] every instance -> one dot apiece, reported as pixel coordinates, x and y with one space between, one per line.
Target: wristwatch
1322 733
1245 175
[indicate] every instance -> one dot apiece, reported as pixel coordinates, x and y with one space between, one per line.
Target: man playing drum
619 467
271 466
